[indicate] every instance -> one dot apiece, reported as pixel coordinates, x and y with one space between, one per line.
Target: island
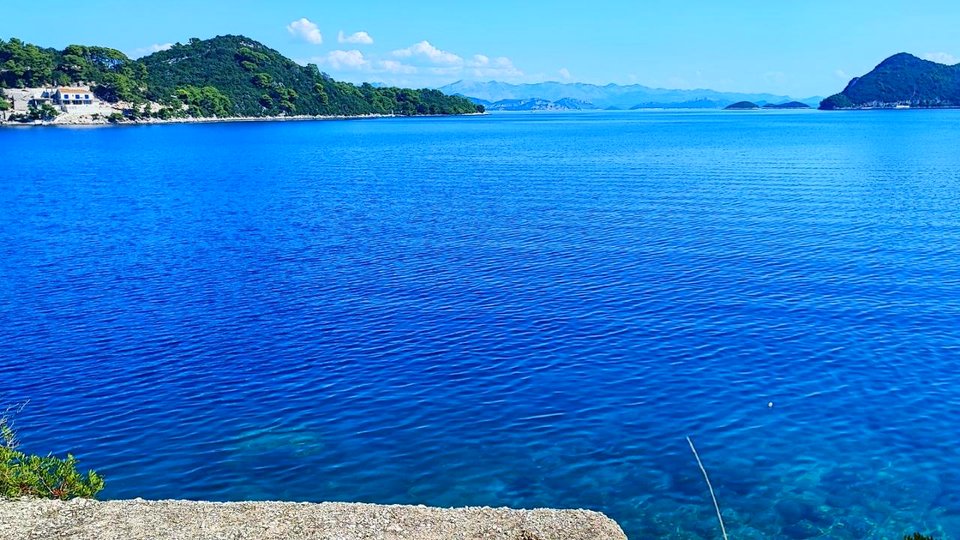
742 106
788 105
902 81
226 77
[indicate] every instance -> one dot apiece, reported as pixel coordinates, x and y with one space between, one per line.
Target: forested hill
900 80
223 76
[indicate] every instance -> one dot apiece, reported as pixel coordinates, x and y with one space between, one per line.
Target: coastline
911 108
215 120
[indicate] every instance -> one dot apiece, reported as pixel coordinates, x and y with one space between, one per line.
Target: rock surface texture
183 520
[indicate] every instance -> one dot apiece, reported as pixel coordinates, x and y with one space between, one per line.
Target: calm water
525 310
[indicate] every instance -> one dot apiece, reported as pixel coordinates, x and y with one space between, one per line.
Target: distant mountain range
903 80
496 95
534 104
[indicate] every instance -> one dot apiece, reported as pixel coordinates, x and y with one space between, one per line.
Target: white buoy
770 405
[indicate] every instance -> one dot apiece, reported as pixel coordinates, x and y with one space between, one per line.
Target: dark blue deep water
524 310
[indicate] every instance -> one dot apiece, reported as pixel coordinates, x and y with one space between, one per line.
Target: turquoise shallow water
519 309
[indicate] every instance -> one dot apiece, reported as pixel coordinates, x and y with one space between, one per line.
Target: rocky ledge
183 520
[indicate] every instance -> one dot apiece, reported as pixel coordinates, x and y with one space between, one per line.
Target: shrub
917 536
47 477
45 112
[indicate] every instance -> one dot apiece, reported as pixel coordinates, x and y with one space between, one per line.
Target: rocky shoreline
82 519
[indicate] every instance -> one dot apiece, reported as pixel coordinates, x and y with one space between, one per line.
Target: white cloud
343 60
426 50
479 60
305 30
359 38
565 74
841 74
393 66
498 68
942 58
156 47
421 65
355 62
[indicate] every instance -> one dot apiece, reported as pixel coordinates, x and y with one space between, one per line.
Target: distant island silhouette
742 106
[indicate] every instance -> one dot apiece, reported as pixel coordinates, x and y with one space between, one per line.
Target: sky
800 49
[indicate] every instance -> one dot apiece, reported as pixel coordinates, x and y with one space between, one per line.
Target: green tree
114 87
48 477
321 94
262 80
205 102
23 64
167 113
45 112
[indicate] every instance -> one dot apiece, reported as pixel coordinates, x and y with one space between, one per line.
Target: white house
73 99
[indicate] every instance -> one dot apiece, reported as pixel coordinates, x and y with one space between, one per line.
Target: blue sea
525 310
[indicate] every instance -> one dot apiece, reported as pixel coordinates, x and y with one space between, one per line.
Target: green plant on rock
46 477
917 536
44 112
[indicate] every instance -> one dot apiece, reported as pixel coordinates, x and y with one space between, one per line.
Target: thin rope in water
723 529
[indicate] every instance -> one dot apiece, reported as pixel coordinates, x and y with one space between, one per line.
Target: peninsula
227 77
899 82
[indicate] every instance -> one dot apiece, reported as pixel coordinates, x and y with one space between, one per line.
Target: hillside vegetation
902 79
223 76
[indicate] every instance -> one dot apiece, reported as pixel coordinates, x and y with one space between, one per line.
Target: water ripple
524 310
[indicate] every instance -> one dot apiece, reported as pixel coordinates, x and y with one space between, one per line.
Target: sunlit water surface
520 309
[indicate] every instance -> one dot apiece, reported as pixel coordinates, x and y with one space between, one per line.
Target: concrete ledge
183 520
